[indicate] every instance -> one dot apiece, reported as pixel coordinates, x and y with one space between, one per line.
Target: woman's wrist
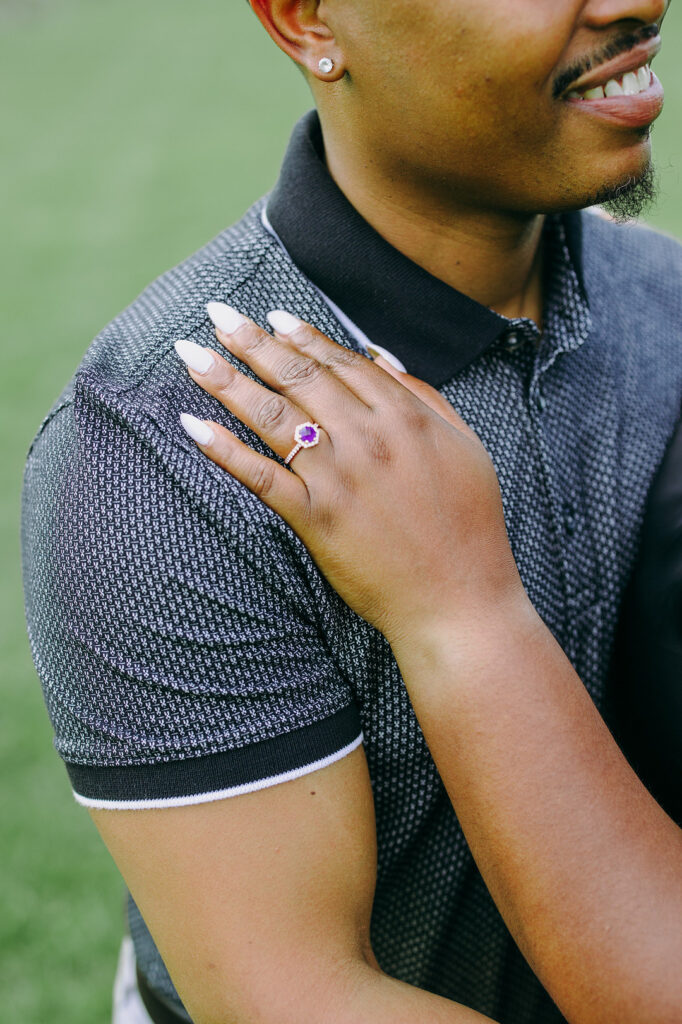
468 640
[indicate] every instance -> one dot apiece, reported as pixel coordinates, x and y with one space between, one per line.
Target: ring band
306 435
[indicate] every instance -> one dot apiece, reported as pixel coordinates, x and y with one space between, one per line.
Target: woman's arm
584 866
400 507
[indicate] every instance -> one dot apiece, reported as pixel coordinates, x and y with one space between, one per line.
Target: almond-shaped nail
197 358
224 317
376 350
197 429
282 322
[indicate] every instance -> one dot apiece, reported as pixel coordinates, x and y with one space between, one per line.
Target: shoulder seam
46 422
154 358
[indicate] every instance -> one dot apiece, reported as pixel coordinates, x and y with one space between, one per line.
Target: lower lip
626 111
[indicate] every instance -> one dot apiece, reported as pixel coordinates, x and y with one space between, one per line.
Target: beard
631 198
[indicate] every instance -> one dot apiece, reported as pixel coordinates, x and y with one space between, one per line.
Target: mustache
613 49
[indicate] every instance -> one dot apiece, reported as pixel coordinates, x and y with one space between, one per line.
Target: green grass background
131 132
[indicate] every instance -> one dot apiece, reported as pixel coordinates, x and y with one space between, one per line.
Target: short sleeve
173 619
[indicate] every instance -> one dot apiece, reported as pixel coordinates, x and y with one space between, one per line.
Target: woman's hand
398 502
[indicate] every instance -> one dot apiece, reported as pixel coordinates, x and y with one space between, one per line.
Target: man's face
472 95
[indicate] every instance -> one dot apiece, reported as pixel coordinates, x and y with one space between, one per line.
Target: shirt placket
536 360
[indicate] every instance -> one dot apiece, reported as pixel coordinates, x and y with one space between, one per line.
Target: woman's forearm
583 864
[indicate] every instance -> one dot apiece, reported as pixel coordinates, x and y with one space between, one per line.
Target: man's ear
298 29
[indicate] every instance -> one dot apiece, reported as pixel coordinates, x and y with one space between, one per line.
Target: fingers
283 364
314 380
283 491
353 369
399 375
272 416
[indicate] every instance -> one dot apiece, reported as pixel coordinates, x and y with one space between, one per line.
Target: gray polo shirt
188 647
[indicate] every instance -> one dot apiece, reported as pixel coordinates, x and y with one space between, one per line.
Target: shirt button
540 401
513 341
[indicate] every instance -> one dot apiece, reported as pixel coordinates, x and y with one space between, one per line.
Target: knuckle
263 479
272 411
228 380
343 359
252 339
299 370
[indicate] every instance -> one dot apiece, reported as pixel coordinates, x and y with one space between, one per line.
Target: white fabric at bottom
128 1007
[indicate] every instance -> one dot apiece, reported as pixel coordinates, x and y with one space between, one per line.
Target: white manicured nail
283 323
197 429
197 358
225 318
377 350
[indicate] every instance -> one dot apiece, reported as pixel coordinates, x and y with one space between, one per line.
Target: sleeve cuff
199 780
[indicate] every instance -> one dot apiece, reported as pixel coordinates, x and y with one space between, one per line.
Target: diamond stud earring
326 65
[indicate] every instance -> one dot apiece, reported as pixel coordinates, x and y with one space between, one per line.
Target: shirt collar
432 328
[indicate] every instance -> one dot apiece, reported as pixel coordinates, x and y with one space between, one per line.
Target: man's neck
491 256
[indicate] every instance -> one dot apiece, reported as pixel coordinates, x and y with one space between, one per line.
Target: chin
628 196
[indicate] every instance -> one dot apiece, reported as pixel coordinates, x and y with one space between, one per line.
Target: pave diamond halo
306 435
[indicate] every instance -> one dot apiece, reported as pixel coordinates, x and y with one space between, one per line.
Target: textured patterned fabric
174 618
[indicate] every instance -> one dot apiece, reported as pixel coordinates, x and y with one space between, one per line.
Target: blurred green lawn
131 133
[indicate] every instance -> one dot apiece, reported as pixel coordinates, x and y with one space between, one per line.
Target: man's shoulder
632 276
160 592
632 260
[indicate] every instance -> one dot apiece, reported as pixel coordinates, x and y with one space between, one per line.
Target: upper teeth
629 85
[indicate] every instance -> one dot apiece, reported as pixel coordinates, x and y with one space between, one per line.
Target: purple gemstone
307 434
